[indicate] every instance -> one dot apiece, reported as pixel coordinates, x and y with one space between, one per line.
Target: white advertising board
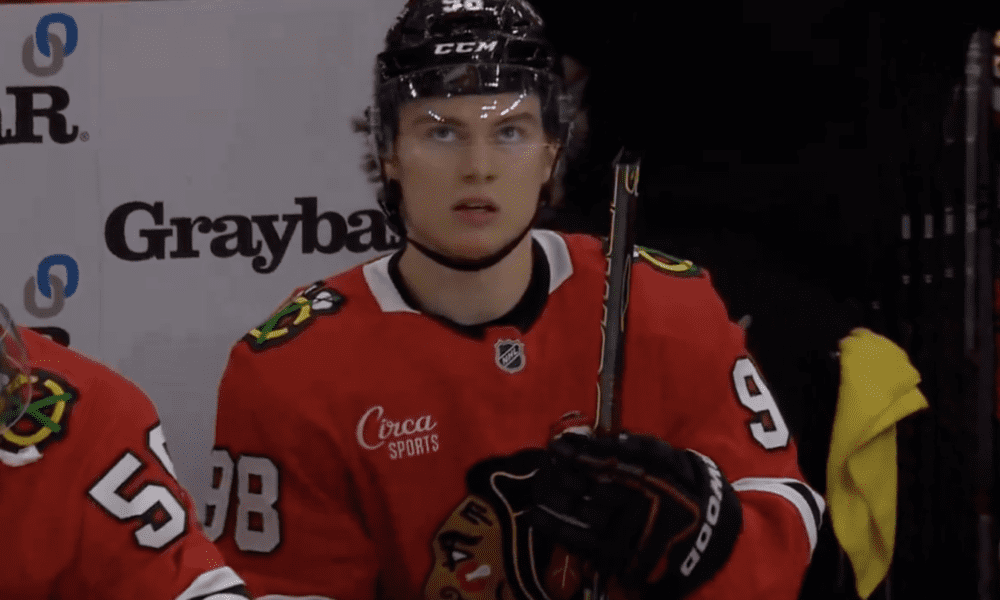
172 170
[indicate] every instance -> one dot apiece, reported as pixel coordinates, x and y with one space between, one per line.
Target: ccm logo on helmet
711 517
464 47
457 5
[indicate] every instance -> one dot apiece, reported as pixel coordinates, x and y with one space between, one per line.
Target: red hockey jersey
367 450
90 506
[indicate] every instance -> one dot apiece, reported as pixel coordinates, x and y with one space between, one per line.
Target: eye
442 133
450 542
511 134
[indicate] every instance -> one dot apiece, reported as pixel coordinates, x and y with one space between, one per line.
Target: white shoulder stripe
377 275
24 456
810 504
560 265
209 585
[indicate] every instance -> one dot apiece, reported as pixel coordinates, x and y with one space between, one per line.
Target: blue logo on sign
72 274
50 46
26 114
42 33
51 286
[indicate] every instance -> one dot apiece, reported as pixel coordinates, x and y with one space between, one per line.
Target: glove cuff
722 520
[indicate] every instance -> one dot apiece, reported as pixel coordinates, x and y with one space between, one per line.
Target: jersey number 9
767 426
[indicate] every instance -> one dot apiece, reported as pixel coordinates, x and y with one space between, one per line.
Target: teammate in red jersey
92 508
387 433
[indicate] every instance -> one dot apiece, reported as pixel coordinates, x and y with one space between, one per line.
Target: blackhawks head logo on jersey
487 548
45 420
295 316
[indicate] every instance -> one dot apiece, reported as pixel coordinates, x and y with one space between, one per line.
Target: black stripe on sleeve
803 490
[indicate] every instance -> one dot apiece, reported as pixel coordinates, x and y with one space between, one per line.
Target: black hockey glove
659 520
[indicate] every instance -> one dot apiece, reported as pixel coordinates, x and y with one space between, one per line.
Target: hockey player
387 433
91 506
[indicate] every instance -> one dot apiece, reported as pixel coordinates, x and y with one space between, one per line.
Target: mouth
484 205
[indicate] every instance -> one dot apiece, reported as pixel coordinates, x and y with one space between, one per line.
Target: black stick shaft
979 297
621 242
973 82
618 252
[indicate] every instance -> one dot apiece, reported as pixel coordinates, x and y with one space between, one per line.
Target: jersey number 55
155 505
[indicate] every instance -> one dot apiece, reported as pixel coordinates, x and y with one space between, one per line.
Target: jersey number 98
258 528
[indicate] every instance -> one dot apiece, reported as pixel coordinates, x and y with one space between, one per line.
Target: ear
552 152
390 164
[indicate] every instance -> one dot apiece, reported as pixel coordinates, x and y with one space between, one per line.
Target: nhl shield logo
510 355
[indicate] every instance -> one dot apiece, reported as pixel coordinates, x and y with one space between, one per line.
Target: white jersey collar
389 300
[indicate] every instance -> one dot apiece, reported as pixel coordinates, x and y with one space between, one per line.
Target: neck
468 297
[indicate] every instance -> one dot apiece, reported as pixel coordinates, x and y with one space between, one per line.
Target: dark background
781 142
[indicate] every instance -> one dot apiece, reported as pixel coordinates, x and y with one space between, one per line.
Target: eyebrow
425 118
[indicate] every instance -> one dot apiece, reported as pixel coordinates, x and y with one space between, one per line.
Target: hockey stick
979 214
618 251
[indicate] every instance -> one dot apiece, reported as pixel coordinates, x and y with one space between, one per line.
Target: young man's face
471 169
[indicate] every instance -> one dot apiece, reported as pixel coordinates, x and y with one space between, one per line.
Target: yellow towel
878 387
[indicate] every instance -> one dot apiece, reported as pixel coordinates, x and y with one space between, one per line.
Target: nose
480 163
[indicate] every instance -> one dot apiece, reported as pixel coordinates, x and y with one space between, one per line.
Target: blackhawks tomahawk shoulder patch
293 318
47 416
665 263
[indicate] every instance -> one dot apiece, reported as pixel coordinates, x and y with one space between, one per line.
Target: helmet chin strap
477 264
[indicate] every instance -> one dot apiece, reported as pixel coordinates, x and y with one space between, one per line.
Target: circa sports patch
292 319
662 261
46 418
